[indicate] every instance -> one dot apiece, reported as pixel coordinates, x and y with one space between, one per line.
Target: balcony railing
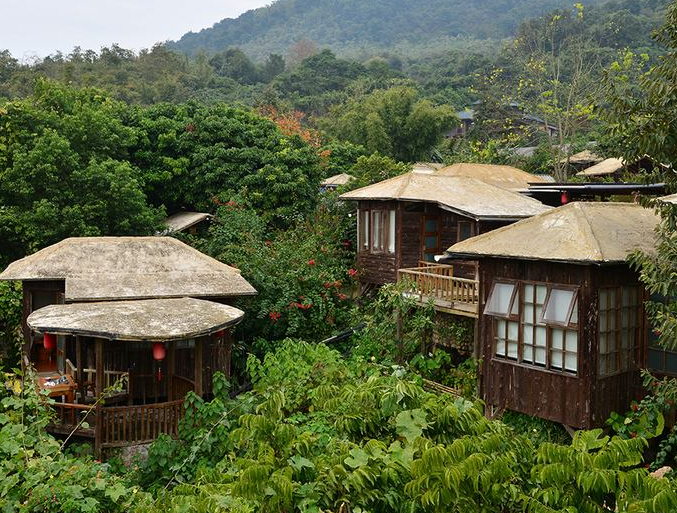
448 292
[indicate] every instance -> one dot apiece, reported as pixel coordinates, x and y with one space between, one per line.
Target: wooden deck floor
450 307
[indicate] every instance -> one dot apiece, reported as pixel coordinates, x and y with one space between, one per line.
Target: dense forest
244 124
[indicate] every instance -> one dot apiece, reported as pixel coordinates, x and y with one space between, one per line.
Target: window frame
382 244
511 305
615 335
572 306
458 230
550 328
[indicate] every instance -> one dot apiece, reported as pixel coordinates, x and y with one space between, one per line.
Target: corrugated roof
462 194
507 177
578 232
606 167
184 220
115 268
145 320
336 180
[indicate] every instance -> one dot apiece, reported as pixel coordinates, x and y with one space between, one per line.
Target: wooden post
228 341
171 370
98 392
78 368
198 366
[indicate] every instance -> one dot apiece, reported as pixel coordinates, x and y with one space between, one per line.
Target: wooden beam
78 368
171 369
198 365
98 392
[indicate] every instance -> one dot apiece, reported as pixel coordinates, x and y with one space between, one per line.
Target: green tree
235 64
395 122
64 170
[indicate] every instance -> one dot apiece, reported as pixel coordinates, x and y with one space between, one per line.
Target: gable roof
184 220
114 268
145 320
507 177
461 194
577 232
671 198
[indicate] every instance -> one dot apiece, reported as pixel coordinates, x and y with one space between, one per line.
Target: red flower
274 316
352 273
342 297
634 407
311 262
328 285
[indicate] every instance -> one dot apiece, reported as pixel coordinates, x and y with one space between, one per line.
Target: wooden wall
381 268
580 401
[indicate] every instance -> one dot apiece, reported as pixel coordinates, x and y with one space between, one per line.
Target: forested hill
354 27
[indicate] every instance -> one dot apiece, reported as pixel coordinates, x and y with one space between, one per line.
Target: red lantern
159 351
220 334
565 197
49 341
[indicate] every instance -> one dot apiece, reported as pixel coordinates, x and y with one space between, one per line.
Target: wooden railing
126 425
181 386
68 416
437 281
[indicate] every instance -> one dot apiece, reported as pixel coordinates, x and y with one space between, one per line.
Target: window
465 230
619 324
535 324
431 238
363 220
501 302
377 229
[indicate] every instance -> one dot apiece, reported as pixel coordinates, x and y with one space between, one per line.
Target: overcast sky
41 27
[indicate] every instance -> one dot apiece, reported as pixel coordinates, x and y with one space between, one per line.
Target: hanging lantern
159 351
565 197
49 341
220 334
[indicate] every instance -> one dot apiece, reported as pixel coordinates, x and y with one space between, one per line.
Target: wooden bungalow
562 330
334 182
405 221
106 280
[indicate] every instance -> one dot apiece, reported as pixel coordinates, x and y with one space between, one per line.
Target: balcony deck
449 293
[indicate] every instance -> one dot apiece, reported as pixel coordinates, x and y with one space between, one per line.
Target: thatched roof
336 180
578 232
184 220
507 177
606 167
114 268
145 320
467 196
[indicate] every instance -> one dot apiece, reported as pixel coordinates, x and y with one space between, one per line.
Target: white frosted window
501 300
391 233
376 231
364 228
618 326
559 306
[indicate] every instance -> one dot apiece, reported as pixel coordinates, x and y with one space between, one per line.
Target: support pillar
199 343
98 393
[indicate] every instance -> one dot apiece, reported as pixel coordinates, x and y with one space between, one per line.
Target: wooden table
60 387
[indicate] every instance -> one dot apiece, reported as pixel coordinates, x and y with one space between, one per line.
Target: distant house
405 221
581 160
151 312
614 168
562 328
512 112
466 122
334 182
192 222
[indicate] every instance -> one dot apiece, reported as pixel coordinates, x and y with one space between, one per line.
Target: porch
450 293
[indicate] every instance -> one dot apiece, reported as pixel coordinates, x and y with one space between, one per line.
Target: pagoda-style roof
118 268
144 320
579 232
461 194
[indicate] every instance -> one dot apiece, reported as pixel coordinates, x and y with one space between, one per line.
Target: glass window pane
612 299
603 299
431 225
625 294
556 359
499 301
527 354
513 331
376 230
602 343
431 242
541 334
655 359
671 362
602 321
365 230
528 334
557 338
602 365
528 293
512 350
572 341
528 313
539 356
558 307
574 313
571 362
391 233
541 292
464 231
